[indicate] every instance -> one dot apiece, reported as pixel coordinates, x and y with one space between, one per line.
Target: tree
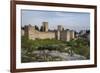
36 27
88 31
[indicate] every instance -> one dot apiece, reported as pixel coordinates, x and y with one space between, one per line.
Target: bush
80 46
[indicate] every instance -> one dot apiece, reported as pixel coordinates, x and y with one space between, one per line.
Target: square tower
60 27
45 26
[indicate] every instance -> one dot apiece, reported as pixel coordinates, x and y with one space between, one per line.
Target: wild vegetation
43 46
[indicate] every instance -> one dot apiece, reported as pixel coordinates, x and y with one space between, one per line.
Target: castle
60 34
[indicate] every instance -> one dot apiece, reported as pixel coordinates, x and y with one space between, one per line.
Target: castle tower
29 31
57 35
60 28
65 35
72 34
45 26
68 36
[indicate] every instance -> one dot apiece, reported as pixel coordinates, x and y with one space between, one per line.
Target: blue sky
69 20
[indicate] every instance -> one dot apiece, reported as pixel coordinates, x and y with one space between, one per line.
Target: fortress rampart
59 34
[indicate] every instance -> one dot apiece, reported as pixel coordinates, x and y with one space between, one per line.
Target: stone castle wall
42 35
32 33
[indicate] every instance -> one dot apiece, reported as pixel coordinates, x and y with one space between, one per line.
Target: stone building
45 26
65 35
60 27
60 34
